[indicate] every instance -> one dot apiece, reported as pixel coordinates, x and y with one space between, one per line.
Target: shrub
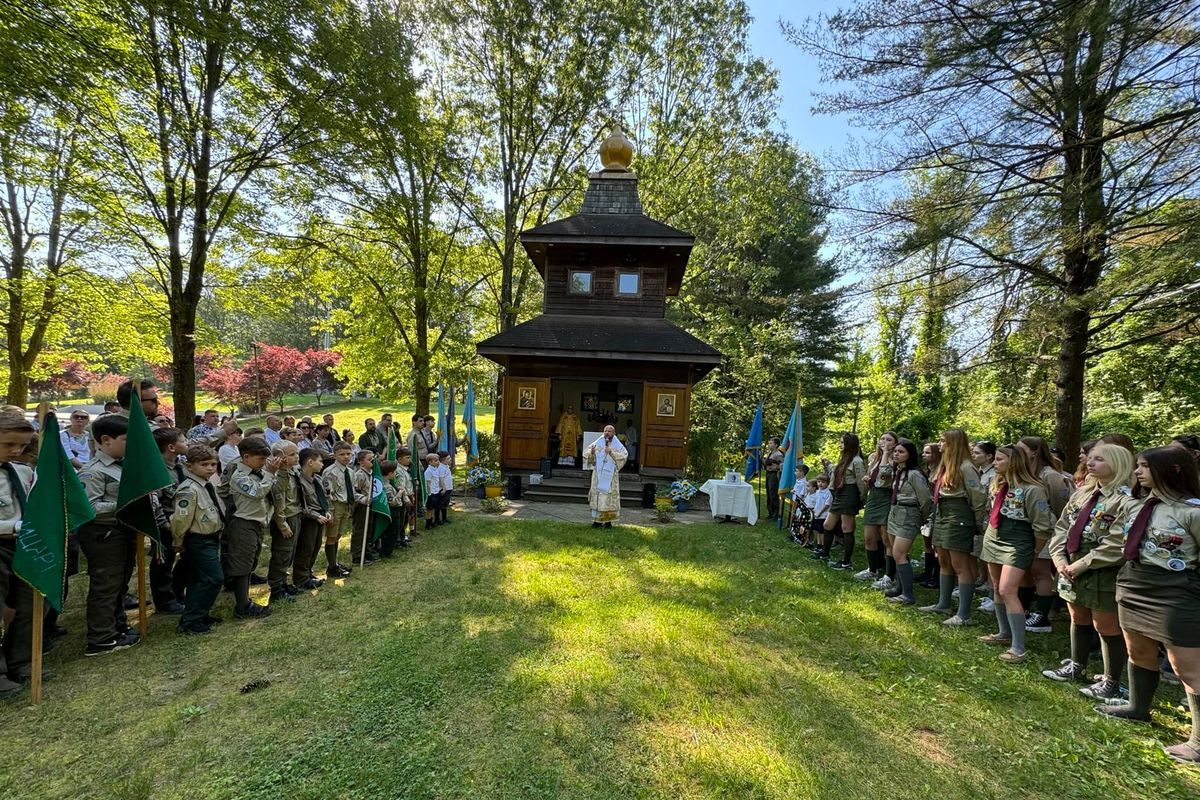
489 449
493 505
664 510
704 454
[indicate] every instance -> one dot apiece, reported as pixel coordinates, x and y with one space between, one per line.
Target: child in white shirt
433 486
821 500
229 451
801 514
447 476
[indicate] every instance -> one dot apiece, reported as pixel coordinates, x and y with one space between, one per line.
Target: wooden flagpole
362 561
35 677
143 621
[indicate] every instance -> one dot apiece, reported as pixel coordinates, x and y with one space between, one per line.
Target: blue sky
799 76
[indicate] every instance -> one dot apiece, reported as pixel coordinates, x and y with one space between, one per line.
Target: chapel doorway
596 404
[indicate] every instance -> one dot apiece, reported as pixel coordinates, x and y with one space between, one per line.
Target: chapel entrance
596 404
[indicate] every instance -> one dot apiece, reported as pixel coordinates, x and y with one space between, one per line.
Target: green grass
352 414
504 659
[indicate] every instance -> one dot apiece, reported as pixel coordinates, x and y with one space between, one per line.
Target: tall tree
1075 120
202 111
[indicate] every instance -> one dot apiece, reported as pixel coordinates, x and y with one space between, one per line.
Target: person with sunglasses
75 438
306 432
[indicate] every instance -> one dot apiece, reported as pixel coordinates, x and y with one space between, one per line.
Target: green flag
391 445
57 504
381 512
142 474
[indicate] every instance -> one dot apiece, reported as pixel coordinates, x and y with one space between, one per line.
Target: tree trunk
18 377
1068 393
183 363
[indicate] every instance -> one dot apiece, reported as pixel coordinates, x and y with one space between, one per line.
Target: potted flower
682 491
482 480
495 483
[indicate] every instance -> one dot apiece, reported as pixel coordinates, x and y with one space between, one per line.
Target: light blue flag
441 420
754 443
793 446
468 419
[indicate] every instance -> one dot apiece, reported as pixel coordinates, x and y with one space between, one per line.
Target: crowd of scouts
296 488
1117 543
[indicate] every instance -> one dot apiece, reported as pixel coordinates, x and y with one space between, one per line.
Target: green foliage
704 453
664 509
489 449
493 505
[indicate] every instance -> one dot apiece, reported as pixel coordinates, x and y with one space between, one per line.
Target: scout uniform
1158 590
388 539
339 485
285 497
433 485
849 488
772 463
16 655
1089 536
167 584
909 502
314 504
447 479
1059 487
109 549
1020 515
363 482
407 492
252 511
958 511
197 520
879 495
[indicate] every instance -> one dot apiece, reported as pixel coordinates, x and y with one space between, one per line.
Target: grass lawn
352 414
505 659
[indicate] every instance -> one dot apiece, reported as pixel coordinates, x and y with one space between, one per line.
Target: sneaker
958 622
987 604
9 688
291 590
819 555
895 590
1116 702
1069 671
196 629
1103 689
211 620
112 646
252 611
883 583
1009 657
900 599
865 575
129 602
312 583
839 565
954 594
1036 623
280 596
934 609
995 638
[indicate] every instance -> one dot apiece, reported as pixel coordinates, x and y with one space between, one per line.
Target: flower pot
492 491
682 505
480 492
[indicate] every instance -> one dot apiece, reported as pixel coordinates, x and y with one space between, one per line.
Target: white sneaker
987 604
865 575
954 594
883 583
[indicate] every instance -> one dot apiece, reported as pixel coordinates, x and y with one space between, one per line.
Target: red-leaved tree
228 385
274 372
318 377
70 376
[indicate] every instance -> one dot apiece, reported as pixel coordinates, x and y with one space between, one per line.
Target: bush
664 509
704 454
489 449
493 505
104 389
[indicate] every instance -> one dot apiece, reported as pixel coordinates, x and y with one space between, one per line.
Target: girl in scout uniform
958 504
1058 490
983 454
931 456
875 514
849 486
1020 521
1087 551
1158 590
909 503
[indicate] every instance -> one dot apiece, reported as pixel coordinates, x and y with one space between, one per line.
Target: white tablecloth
731 499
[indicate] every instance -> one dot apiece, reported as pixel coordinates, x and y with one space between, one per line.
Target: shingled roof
563 336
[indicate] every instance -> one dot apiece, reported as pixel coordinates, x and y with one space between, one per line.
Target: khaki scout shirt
10 507
251 492
1103 542
913 490
101 478
312 503
1059 487
1172 538
1028 503
969 488
334 478
194 511
404 483
363 486
285 494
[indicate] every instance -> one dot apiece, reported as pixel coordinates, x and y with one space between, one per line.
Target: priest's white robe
605 494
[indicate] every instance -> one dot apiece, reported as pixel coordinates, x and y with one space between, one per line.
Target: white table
731 499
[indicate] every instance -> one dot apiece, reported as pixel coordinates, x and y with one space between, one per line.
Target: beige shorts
341 519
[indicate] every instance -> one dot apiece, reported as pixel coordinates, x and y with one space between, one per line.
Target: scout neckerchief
349 485
997 504
1137 531
212 494
14 480
1075 537
901 478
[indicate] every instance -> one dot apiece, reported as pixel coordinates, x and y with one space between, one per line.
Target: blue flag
441 420
754 443
793 447
468 419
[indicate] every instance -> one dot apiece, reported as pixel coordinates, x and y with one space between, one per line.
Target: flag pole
143 623
35 677
362 562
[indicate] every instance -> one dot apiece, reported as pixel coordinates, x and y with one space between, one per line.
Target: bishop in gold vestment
569 430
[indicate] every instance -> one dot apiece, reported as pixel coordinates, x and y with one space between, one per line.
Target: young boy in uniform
165 588
109 548
405 515
822 499
447 486
363 480
285 522
16 654
314 516
196 523
389 538
433 485
339 486
250 487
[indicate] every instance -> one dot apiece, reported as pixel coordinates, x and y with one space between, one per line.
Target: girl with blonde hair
958 512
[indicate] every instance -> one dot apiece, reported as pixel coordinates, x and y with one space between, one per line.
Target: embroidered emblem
248 486
1176 565
182 503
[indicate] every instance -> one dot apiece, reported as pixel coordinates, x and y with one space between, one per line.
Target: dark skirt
1010 545
905 522
954 525
1095 589
846 500
879 503
243 543
1159 603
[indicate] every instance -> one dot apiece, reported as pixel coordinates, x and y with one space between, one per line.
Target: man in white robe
606 455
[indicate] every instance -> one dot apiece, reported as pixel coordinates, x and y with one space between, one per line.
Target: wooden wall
603 299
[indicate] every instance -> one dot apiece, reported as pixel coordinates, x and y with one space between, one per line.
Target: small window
627 283
579 282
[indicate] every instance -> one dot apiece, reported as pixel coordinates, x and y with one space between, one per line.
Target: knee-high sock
1194 704
1016 622
241 592
1142 685
1042 604
905 573
331 555
1082 639
966 593
1025 595
945 589
889 566
847 547
1004 628
1115 655
827 542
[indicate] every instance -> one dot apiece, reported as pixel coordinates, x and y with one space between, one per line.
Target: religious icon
527 398
666 405
590 402
624 404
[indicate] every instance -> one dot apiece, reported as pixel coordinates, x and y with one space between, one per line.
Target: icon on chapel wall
527 398
666 405
590 402
624 404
